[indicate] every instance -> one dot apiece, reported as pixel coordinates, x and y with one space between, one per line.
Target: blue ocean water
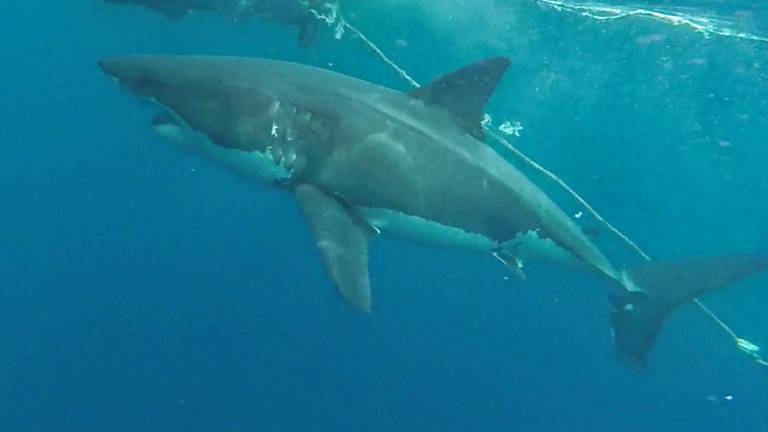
142 289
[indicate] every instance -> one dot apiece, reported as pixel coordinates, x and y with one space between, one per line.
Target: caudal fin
661 287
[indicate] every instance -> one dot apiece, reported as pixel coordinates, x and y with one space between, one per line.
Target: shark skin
364 160
291 12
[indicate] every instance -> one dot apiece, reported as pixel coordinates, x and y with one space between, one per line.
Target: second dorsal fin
465 92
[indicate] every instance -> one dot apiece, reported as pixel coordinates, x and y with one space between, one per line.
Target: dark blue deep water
142 289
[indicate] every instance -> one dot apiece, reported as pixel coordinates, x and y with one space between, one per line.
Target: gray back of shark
363 159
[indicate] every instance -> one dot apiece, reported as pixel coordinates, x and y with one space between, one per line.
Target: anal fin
342 239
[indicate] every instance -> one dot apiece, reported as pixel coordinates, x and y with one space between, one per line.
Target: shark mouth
271 165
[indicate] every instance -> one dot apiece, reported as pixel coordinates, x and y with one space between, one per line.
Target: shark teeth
284 159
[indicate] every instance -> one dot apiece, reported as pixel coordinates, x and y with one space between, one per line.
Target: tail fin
661 287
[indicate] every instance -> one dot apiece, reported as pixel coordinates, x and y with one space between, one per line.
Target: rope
557 180
742 344
700 24
402 73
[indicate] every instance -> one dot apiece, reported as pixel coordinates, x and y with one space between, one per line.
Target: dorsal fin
465 92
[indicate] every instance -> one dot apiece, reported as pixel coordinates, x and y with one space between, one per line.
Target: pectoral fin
342 238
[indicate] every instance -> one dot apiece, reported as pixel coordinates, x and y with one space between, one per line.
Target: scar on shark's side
363 160
297 13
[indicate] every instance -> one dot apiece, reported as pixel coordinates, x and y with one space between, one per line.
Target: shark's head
213 108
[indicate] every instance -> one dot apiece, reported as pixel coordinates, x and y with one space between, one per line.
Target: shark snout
142 75
113 67
127 71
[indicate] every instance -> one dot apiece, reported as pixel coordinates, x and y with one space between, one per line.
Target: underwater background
143 289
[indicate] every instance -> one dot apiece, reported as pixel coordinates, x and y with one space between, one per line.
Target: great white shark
364 160
292 12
